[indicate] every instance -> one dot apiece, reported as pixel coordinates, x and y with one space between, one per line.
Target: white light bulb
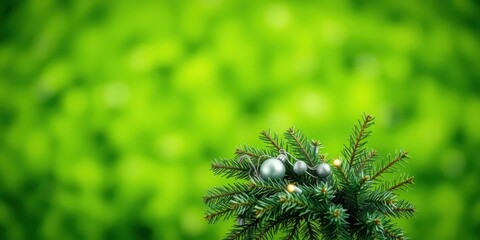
293 188
337 162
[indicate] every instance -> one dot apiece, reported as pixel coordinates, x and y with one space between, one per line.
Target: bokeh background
111 111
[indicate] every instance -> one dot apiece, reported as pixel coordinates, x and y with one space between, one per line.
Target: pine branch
225 193
368 157
381 201
298 142
337 224
237 206
376 226
393 233
354 203
402 184
302 206
389 230
244 204
343 175
271 139
317 145
371 226
357 139
408 212
244 231
271 187
214 216
293 230
271 226
363 182
309 230
253 153
402 155
268 208
229 169
404 209
324 193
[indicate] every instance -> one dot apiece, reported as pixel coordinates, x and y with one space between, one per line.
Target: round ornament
323 170
300 167
241 221
272 168
282 157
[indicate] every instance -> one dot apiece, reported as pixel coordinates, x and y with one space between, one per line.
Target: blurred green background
111 111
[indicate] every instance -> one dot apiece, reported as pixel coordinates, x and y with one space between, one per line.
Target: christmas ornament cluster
293 187
274 168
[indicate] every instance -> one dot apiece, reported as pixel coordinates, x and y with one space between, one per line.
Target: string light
292 188
337 162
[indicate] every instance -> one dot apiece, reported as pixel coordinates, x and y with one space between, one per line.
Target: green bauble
324 170
272 168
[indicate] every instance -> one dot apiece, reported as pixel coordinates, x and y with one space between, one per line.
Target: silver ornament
323 170
282 157
300 167
272 168
240 221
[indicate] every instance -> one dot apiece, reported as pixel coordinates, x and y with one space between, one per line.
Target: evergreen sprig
358 201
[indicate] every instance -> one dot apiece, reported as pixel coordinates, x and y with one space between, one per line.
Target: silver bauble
282 157
323 170
300 167
272 168
240 221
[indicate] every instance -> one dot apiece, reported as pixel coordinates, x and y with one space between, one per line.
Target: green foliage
355 203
